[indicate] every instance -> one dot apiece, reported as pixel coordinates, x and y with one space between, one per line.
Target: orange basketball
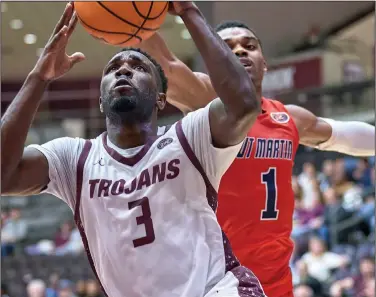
121 23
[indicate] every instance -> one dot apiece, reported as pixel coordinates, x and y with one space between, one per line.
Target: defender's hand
54 62
180 7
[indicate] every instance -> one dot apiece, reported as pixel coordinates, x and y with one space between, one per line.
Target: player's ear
265 66
161 101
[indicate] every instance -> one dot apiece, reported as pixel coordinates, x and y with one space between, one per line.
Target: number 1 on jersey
269 179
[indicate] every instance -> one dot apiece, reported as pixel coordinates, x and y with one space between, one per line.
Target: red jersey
256 200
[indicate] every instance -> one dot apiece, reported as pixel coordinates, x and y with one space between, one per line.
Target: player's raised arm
187 90
352 137
232 116
26 171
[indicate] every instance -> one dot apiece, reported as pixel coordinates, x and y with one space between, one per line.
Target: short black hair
235 24
367 258
162 75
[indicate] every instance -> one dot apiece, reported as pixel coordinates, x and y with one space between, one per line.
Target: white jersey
147 214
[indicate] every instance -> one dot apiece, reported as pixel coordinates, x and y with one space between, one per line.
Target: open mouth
246 62
123 83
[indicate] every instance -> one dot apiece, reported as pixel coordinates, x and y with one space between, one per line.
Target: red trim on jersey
79 179
211 193
131 161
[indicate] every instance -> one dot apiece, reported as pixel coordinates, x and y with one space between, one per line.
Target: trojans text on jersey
156 174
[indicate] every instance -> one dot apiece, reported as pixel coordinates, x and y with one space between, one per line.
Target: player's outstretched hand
54 62
179 7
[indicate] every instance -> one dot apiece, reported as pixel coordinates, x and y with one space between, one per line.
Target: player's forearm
157 48
186 90
228 76
16 122
352 138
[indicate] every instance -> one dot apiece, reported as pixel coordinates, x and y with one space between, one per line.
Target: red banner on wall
294 75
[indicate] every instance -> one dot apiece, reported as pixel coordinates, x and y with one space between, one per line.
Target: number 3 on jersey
143 219
269 179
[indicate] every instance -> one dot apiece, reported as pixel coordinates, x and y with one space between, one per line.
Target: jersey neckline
129 161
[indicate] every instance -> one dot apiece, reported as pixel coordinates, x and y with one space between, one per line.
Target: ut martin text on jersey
266 148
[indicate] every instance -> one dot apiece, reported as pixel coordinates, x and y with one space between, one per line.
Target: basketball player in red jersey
256 199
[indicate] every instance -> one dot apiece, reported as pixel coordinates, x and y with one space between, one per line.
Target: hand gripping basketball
54 62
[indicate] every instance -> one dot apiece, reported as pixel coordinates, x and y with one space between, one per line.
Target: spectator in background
63 235
51 291
367 209
81 288
362 173
303 278
334 214
92 289
325 177
298 192
73 246
320 262
303 291
66 288
4 217
13 232
358 285
340 181
47 247
306 220
36 288
306 181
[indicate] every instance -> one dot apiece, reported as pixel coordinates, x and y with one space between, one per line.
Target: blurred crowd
57 287
67 239
13 231
334 225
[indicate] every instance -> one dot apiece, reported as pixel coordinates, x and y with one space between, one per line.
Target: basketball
121 23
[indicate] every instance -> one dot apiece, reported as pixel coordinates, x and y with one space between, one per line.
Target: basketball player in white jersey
145 205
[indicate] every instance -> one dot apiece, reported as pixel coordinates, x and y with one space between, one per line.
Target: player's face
245 45
129 88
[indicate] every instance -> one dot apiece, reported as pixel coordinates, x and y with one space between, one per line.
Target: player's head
244 43
133 87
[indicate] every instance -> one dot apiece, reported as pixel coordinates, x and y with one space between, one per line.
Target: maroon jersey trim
211 193
131 161
80 175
